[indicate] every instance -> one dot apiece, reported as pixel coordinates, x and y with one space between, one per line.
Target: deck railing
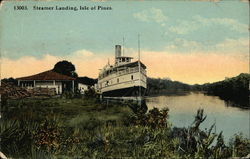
120 73
125 71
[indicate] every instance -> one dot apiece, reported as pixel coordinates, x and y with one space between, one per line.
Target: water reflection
228 119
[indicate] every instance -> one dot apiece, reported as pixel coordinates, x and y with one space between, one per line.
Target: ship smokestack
118 52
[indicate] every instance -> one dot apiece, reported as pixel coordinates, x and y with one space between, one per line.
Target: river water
182 110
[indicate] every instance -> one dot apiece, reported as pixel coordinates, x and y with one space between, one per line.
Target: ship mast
139 64
123 45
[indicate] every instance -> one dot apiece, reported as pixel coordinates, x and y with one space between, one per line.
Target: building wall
43 84
50 84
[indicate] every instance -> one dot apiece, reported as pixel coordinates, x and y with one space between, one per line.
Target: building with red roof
48 79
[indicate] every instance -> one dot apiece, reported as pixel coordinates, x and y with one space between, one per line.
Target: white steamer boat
125 78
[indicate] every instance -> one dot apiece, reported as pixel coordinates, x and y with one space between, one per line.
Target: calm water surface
182 109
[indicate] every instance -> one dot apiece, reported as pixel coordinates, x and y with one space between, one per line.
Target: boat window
123 60
107 83
132 77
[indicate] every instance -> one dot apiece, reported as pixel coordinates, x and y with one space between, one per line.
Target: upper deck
122 65
122 69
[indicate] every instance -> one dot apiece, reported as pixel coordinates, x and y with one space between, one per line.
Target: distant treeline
156 86
87 80
235 90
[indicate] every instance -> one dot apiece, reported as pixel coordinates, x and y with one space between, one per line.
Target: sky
187 41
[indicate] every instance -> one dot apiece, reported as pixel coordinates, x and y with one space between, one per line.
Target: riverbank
87 128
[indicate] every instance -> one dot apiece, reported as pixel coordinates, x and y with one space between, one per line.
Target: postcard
124 79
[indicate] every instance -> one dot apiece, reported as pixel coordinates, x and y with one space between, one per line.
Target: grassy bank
87 128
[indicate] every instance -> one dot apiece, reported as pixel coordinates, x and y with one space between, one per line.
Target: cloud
240 45
228 46
193 67
184 27
197 22
26 65
87 64
182 44
83 53
158 15
232 24
153 14
142 16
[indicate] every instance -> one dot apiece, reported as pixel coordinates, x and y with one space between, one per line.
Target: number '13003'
20 8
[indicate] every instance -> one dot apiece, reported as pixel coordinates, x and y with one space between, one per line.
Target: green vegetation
66 68
156 86
88 128
233 90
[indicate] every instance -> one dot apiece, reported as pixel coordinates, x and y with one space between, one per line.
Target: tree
66 68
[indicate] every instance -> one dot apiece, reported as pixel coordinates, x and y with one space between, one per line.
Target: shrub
154 119
240 146
90 93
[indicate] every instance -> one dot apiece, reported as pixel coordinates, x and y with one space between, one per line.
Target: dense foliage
66 68
234 89
86 80
165 86
86 128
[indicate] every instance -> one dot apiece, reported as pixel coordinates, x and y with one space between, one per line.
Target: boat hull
126 92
